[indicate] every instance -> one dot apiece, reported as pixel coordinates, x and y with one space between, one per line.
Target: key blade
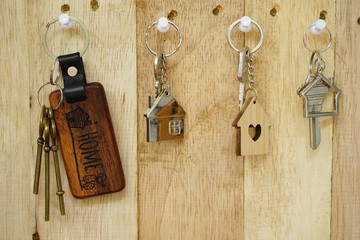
315 136
241 94
243 62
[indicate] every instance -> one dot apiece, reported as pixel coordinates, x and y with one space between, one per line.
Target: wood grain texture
110 59
191 188
16 160
345 222
288 191
88 143
195 188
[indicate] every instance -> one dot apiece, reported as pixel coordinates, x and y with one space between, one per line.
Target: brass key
47 167
54 148
40 144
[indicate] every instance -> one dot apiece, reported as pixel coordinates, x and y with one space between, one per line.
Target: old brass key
54 148
47 167
40 144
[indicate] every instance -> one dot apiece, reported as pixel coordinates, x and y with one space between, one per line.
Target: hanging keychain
316 86
165 116
84 126
251 123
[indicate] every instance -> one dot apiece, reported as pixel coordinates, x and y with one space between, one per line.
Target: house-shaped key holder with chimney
165 119
314 93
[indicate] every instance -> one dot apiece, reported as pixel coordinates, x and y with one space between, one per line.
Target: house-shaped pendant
252 129
164 119
313 95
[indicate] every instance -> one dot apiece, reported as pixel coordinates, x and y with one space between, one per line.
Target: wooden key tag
86 134
252 129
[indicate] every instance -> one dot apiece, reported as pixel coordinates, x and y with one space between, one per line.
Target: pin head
318 27
245 24
163 25
65 21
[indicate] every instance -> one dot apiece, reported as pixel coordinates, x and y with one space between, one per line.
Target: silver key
242 73
315 98
159 73
243 64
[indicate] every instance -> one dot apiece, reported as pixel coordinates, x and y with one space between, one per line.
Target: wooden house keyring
251 123
252 129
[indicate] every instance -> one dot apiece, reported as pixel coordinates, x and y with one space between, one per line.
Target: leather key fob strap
72 69
86 134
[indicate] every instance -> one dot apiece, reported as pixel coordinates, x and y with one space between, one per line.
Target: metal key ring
319 62
311 50
257 47
44 34
254 91
61 94
147 39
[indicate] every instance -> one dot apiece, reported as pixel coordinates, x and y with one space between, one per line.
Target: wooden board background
24 68
345 222
195 188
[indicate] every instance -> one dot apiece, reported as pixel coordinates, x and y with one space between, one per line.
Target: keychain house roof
165 119
307 94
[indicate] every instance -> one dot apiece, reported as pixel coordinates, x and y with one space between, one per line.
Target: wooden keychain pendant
86 133
252 129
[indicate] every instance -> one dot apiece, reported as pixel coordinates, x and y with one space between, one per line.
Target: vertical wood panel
288 192
193 188
15 159
346 166
111 60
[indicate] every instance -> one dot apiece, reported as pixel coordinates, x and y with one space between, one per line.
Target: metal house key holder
164 117
251 123
316 86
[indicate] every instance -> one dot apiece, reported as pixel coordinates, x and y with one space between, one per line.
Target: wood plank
110 59
288 192
192 188
15 151
346 167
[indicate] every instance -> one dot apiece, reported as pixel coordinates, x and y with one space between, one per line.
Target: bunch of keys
47 141
315 89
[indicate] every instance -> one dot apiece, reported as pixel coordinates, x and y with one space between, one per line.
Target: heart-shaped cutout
254 132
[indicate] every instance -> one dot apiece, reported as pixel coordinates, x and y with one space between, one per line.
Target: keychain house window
175 127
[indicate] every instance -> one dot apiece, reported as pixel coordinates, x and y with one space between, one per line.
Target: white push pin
163 25
318 27
65 21
245 24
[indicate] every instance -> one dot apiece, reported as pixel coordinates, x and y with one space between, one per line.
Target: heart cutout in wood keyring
254 132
